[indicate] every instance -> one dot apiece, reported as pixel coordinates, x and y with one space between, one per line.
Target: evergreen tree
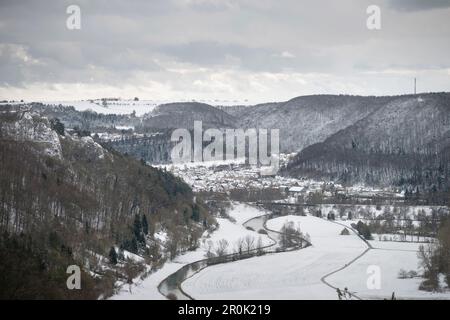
121 255
364 230
417 194
57 125
134 246
137 227
144 224
113 256
195 213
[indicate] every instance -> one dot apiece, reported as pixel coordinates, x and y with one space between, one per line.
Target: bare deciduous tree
249 243
240 243
259 246
221 248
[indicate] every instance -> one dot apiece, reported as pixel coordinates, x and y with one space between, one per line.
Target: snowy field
124 106
227 230
290 275
389 257
147 289
297 274
372 212
113 107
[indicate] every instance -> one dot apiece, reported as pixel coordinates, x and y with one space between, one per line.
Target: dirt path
369 247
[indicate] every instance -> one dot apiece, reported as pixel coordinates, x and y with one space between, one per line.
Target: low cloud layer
259 50
418 5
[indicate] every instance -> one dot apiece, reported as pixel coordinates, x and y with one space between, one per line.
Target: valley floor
290 275
389 257
333 261
147 289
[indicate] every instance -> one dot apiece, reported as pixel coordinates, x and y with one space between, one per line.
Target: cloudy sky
255 50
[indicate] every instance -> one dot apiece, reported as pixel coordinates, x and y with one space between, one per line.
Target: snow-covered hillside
111 107
28 126
124 106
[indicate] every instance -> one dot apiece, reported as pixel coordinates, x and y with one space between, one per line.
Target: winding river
170 287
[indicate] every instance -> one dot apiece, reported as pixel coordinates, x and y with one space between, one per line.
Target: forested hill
306 120
66 200
386 140
183 115
406 141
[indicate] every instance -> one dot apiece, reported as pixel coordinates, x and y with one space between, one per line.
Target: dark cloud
247 58
417 5
183 44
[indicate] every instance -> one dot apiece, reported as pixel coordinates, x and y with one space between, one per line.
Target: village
226 176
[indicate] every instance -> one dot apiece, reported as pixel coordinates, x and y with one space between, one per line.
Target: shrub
402 274
172 296
430 285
